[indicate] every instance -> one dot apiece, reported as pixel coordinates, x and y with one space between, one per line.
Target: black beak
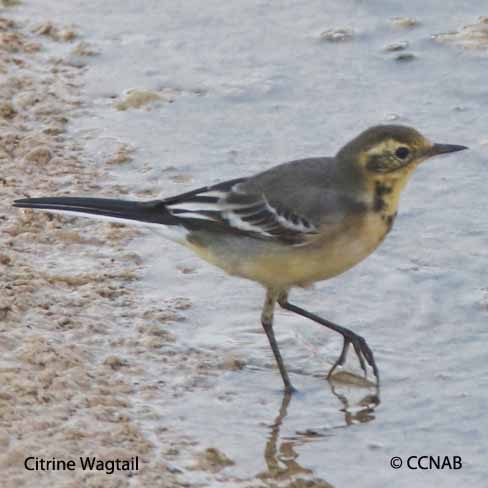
445 148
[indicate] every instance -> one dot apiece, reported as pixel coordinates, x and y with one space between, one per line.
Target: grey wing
288 203
241 207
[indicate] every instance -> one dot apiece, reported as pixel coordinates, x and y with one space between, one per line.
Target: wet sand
71 334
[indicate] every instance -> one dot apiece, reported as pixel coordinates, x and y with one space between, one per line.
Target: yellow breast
335 252
337 248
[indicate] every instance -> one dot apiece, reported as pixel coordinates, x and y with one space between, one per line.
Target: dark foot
363 352
290 390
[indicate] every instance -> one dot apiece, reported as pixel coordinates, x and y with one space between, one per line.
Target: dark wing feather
231 206
287 203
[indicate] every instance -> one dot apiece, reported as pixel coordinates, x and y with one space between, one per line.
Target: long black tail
153 211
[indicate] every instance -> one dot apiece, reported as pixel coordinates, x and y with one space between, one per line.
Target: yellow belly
320 260
280 266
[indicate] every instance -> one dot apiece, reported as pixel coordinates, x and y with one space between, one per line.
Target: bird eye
402 152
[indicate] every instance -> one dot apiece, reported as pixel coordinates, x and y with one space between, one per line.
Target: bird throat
386 194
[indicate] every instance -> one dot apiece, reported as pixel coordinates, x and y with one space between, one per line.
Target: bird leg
363 351
267 322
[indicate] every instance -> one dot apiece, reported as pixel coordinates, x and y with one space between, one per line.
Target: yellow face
390 150
386 157
391 156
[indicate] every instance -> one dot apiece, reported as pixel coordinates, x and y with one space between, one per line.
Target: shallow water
255 85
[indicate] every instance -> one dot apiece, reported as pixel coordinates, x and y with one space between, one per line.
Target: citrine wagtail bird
289 226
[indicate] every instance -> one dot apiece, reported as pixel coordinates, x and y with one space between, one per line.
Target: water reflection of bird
280 454
282 459
361 411
292 225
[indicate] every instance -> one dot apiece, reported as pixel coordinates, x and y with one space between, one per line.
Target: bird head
391 150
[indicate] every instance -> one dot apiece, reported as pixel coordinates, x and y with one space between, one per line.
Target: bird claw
363 352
